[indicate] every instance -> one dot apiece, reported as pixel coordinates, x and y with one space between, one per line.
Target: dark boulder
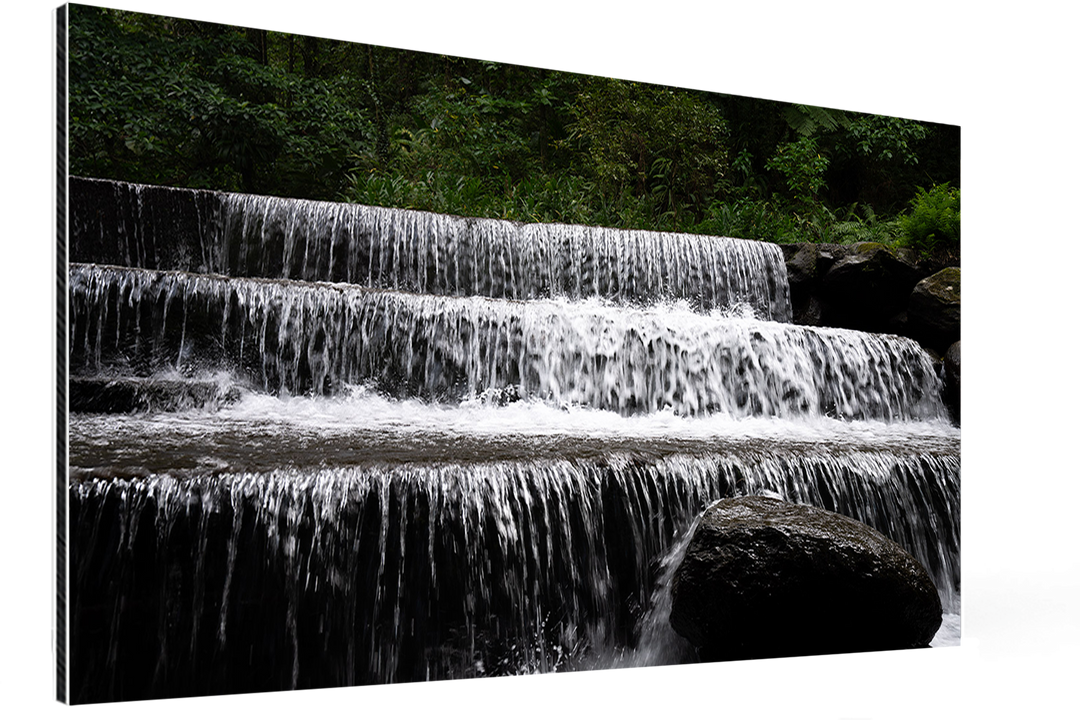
867 287
864 286
934 309
766 578
806 264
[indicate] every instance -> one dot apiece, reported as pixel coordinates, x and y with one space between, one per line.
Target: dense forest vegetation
176 102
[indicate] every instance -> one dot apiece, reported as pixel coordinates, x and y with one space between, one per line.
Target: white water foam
362 407
299 337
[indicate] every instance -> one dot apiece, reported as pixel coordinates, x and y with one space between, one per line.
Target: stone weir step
261 433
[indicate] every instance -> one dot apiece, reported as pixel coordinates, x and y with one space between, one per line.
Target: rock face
934 308
952 380
880 278
871 287
863 286
765 578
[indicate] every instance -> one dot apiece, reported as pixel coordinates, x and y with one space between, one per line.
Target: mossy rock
944 285
934 309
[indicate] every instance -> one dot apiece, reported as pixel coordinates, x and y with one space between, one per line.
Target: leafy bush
884 139
803 167
932 226
770 220
435 190
471 131
878 161
554 198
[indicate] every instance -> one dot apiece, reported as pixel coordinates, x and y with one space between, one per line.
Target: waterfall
421 252
399 572
316 444
429 253
300 337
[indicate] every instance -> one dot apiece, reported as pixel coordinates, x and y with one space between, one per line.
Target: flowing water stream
315 445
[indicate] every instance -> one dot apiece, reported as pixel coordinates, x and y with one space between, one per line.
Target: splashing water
319 337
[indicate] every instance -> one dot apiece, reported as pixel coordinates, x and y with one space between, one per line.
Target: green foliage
554 148
175 102
473 131
883 138
650 146
752 220
772 221
543 198
554 198
746 218
932 225
807 120
474 144
115 121
803 167
861 224
165 101
878 161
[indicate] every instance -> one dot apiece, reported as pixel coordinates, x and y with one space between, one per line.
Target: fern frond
805 120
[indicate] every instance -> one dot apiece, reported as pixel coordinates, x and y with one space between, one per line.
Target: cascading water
420 252
300 337
323 445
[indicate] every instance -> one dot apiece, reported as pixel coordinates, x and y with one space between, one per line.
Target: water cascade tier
303 337
256 236
405 563
317 444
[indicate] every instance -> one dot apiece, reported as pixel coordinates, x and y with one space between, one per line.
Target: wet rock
126 395
952 380
767 578
867 286
804 269
934 308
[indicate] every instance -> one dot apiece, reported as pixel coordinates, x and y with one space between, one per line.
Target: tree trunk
257 38
291 44
311 52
